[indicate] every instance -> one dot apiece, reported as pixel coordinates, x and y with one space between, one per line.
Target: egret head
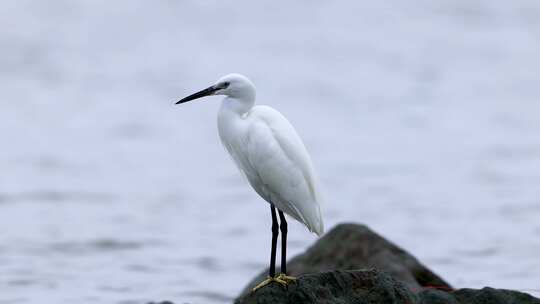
233 85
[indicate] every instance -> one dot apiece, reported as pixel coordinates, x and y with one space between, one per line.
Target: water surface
422 119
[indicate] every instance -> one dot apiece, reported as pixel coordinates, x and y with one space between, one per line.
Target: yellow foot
286 278
268 281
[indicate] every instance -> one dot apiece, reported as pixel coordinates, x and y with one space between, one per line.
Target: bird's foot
286 278
268 281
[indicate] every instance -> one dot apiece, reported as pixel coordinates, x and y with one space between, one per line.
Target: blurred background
422 118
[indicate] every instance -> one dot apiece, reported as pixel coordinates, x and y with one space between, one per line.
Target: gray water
422 118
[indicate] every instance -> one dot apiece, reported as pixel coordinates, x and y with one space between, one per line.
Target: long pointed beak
206 92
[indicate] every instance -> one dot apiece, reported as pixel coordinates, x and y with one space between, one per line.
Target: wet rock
373 287
353 246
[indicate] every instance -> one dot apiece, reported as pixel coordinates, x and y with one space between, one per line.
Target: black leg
275 233
283 228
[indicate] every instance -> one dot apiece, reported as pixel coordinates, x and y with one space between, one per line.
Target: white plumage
271 155
267 150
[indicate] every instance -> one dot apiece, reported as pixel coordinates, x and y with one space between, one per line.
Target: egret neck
239 101
234 109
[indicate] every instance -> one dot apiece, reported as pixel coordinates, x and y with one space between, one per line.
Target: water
422 119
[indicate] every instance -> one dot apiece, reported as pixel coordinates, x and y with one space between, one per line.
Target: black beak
206 92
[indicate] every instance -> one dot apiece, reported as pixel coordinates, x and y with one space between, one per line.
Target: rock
373 287
353 246
334 287
485 295
352 264
489 295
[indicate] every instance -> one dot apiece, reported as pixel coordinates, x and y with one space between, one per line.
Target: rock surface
373 287
353 246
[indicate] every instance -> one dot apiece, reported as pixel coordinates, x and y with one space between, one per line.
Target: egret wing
280 168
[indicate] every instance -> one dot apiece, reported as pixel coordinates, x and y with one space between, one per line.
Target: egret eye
225 85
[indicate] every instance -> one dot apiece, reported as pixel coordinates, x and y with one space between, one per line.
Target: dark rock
373 287
359 287
434 296
489 295
333 270
353 246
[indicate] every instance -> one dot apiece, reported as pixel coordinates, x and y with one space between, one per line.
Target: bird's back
277 165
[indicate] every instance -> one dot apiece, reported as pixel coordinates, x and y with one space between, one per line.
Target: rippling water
422 119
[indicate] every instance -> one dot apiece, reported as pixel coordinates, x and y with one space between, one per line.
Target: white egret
271 155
